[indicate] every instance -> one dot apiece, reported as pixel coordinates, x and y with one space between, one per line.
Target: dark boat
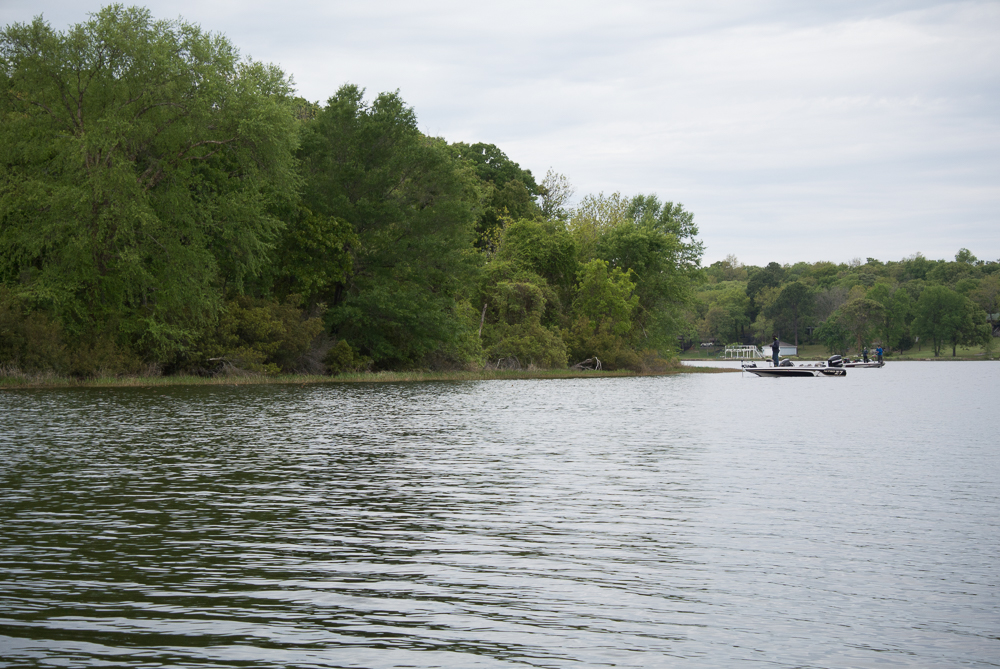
861 363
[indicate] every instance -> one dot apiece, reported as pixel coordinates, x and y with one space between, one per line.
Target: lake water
712 520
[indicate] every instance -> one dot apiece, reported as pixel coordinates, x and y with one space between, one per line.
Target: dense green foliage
168 205
898 305
139 161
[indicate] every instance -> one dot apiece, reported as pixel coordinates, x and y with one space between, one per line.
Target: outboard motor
785 362
835 361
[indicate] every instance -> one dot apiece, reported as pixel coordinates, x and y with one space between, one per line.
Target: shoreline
58 382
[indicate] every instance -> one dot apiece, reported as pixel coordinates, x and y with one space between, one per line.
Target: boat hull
778 372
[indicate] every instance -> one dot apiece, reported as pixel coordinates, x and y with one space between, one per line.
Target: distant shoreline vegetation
168 208
914 306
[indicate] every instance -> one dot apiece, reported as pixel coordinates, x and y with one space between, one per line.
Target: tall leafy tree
987 294
658 242
894 331
862 318
556 192
603 316
834 335
762 278
972 329
725 307
543 247
941 316
793 304
595 216
508 192
410 207
139 164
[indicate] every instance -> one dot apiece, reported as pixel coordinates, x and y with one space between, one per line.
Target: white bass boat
834 366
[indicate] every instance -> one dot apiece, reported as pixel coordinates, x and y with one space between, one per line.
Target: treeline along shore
915 303
169 208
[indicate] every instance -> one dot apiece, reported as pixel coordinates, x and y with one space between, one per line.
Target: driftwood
507 363
591 364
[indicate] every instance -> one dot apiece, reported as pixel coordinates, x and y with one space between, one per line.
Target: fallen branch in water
590 364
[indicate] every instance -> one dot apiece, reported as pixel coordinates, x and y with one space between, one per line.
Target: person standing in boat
775 348
878 352
864 353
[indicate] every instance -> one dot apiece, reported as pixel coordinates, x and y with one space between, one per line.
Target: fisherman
864 353
775 347
878 352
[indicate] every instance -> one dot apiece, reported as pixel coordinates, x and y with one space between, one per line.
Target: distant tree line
936 304
168 206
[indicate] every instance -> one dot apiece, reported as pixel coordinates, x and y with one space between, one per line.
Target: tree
941 315
139 164
603 315
726 317
894 331
834 335
759 279
730 269
604 296
987 294
965 256
515 303
719 323
972 329
410 206
862 318
657 241
556 193
828 301
312 257
593 217
543 247
793 304
508 191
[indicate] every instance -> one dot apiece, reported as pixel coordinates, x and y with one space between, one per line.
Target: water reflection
619 522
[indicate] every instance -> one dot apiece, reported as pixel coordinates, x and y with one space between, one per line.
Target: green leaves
164 200
140 159
605 297
944 316
406 199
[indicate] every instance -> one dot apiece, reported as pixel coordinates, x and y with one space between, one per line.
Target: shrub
29 340
342 358
584 341
262 336
530 344
98 354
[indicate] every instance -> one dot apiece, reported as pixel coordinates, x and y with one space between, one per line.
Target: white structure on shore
743 352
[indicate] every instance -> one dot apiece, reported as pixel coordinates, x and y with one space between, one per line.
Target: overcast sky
792 130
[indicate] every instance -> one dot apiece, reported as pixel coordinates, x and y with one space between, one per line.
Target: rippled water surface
695 520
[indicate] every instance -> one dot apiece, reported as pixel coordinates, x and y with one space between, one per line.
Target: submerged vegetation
169 208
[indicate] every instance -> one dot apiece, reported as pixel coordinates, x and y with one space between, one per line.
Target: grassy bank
17 380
